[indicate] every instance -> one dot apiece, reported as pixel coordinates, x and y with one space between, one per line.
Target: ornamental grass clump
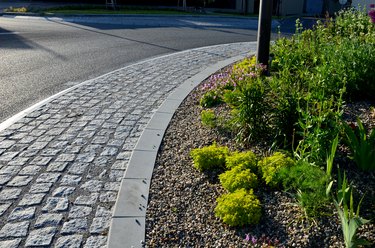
239 208
350 219
210 157
308 183
362 146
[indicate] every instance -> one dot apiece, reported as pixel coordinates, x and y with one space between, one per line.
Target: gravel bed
182 200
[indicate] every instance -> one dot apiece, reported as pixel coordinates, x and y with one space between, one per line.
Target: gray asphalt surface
40 57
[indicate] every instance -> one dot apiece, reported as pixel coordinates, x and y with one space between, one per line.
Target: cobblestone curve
61 165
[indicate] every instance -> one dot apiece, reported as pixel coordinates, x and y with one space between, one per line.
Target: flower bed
319 80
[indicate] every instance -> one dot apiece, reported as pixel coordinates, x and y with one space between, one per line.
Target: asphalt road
40 57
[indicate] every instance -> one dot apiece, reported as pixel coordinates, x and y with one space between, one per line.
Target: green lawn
121 11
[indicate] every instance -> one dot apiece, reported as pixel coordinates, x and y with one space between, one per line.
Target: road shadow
147 22
11 40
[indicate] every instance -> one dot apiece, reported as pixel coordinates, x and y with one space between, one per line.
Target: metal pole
264 31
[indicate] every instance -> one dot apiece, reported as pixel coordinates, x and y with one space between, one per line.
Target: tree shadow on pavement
11 40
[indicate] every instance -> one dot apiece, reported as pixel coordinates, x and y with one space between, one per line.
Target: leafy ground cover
312 172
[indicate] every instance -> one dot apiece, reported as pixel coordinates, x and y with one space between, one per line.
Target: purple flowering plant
217 85
371 13
230 78
262 241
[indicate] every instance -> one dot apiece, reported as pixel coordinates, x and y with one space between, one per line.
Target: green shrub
247 160
238 178
210 99
209 157
269 166
248 67
362 146
318 124
208 118
239 208
309 182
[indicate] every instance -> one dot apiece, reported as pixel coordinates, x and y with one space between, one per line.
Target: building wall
291 7
362 3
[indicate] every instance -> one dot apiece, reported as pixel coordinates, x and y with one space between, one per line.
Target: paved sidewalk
61 165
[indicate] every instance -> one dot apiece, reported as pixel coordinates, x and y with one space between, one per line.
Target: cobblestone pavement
61 165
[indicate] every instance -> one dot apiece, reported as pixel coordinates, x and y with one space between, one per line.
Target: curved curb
128 224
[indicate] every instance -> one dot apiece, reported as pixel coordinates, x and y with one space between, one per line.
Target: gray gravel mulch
182 200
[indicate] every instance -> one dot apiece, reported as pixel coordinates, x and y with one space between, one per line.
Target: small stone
100 225
42 161
86 157
124 155
27 140
31 199
120 165
7 194
116 175
96 242
108 196
48 220
109 151
57 166
8 156
50 152
78 168
20 181
112 186
29 153
60 145
19 214
56 204
92 185
100 140
40 188
65 158
14 243
5 144
79 212
3 208
103 212
41 237
10 170
63 191
101 161
4 179
73 149
71 180
30 170
18 161
48 178
71 241
74 226
87 200
18 229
